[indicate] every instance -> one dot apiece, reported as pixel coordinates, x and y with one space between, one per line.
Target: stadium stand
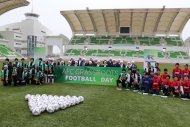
7 52
125 40
123 53
162 33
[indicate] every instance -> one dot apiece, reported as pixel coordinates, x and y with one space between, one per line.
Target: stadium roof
7 5
141 21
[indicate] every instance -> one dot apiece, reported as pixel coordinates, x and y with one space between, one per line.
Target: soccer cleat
164 96
145 93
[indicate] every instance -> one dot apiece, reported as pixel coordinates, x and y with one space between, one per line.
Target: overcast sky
49 11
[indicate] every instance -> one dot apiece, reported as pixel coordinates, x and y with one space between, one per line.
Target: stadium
120 67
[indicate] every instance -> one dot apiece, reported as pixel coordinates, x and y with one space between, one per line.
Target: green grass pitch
103 107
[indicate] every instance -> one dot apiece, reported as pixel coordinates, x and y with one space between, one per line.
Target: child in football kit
166 83
122 79
156 84
5 75
185 87
185 72
177 71
165 74
175 85
146 83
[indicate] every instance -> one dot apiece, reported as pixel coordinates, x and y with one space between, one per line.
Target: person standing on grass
128 65
31 63
166 83
156 83
5 75
130 78
177 71
146 83
15 75
133 67
149 68
151 76
175 86
16 63
40 63
122 79
33 73
9 67
156 68
185 72
138 80
122 65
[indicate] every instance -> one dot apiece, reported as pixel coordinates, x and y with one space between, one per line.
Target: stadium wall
114 47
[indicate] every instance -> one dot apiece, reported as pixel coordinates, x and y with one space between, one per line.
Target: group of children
22 72
153 82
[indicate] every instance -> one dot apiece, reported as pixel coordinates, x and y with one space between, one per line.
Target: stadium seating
174 41
7 52
77 40
123 53
125 40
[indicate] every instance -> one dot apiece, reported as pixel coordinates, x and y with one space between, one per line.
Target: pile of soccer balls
41 103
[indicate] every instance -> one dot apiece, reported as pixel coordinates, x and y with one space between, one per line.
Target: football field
103 107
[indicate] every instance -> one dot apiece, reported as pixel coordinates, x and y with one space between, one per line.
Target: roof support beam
184 23
78 17
105 22
171 23
92 20
131 21
117 20
158 20
10 4
145 19
69 21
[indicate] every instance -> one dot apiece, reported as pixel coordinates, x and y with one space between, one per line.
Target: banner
150 56
87 75
39 52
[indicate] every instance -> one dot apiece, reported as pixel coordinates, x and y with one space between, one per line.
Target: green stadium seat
7 52
170 42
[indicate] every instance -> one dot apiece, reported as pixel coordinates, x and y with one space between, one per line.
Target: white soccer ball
63 106
77 100
27 97
81 98
36 111
50 109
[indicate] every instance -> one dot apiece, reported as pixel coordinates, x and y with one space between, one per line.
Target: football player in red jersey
185 71
166 83
156 82
175 85
165 74
177 71
185 87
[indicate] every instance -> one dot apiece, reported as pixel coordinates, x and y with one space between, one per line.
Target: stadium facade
21 35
